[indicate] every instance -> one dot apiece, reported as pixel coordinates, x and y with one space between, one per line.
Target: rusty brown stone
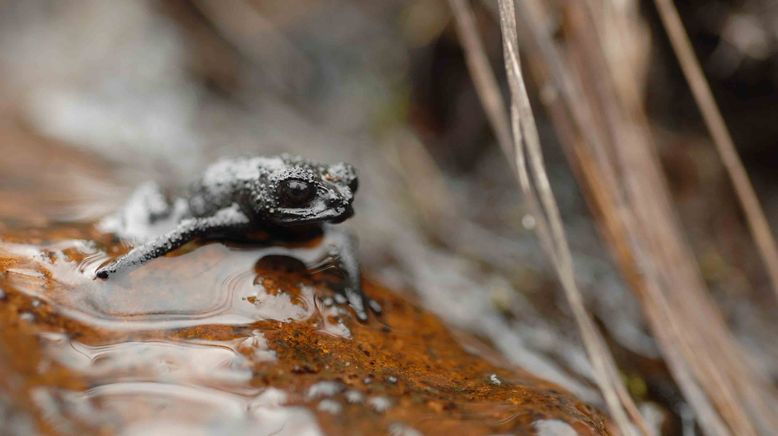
219 338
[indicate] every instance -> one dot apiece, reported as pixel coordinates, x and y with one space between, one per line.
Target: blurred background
97 97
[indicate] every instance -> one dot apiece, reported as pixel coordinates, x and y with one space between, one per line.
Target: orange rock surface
224 339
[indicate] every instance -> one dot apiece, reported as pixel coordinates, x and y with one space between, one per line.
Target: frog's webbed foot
360 302
228 219
345 252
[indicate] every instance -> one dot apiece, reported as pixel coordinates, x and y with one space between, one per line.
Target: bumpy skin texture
270 193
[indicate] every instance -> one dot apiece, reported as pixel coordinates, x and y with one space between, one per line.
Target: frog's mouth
348 213
298 217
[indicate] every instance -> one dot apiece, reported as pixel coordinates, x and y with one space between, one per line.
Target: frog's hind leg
146 213
154 201
228 219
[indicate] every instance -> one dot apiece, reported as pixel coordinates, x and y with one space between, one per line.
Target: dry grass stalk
482 75
525 150
725 146
609 138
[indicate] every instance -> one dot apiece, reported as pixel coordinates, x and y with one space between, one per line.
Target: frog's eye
296 192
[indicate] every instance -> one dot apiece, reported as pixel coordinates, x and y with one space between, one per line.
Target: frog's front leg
345 246
226 220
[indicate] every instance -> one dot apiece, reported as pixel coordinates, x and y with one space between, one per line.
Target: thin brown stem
725 146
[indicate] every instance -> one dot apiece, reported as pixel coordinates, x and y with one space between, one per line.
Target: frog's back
228 181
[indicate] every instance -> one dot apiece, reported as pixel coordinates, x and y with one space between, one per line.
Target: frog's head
301 192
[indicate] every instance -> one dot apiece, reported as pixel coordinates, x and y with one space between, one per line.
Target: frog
281 195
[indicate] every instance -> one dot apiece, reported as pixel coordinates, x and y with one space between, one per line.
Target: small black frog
236 196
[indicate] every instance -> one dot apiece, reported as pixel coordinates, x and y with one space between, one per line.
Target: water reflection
173 409
213 284
212 363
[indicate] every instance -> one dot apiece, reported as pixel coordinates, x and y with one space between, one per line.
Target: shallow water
120 336
221 285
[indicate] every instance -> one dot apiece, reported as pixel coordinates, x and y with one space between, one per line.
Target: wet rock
227 338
